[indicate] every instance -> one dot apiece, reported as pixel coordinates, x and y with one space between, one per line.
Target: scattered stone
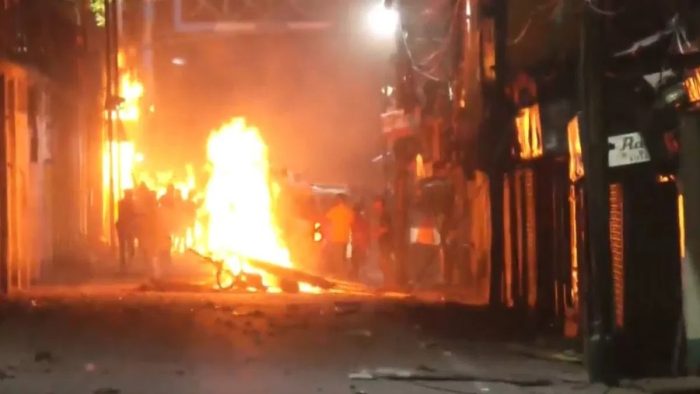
180 372
4 375
44 356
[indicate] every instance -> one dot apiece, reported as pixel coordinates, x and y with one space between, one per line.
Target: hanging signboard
627 149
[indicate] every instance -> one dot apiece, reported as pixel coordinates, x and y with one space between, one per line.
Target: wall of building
28 209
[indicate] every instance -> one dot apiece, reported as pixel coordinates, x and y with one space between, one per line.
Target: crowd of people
428 248
147 226
353 236
425 246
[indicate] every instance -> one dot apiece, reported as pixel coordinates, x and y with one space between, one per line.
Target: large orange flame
239 200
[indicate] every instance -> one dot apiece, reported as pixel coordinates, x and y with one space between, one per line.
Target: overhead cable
598 10
531 17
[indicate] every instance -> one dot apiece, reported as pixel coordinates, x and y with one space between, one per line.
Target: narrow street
349 196
119 339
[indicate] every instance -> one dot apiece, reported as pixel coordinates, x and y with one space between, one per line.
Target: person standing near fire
430 226
126 230
148 228
339 221
170 213
382 235
360 241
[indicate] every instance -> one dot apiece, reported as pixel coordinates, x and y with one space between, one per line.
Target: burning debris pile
239 222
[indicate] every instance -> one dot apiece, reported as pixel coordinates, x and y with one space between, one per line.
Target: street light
383 20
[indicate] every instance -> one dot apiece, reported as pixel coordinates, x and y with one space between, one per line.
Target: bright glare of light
388 90
383 21
178 61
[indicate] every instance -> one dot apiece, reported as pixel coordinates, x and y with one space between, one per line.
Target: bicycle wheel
225 279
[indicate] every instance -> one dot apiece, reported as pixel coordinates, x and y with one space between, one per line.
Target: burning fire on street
239 204
233 204
235 220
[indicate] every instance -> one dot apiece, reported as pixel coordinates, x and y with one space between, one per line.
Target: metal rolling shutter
617 252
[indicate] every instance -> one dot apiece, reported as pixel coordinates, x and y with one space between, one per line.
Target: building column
689 184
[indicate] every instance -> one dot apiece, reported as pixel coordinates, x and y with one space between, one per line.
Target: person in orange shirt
339 221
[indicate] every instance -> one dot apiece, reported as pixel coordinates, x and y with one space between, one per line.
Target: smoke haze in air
315 99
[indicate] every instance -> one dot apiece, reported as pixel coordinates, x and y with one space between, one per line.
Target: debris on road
356 390
250 313
106 390
359 333
44 356
569 356
428 345
292 275
346 308
361 375
4 375
425 368
413 375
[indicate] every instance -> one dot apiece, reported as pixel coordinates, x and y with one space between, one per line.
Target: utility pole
109 106
689 185
598 313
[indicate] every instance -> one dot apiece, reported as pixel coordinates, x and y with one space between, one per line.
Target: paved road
123 341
